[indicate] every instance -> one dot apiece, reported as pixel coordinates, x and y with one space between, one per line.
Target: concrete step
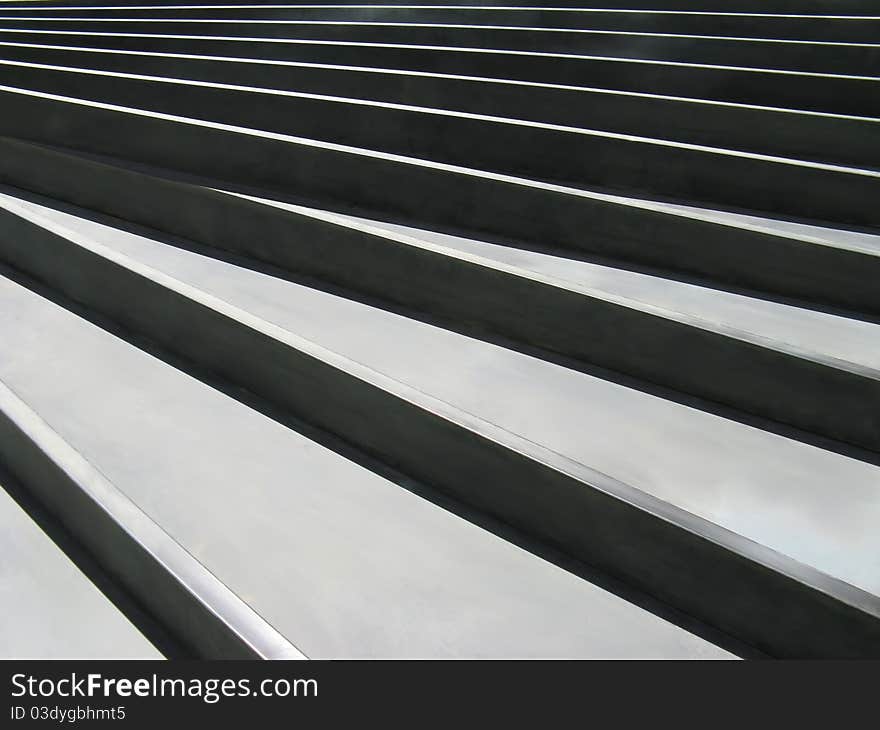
855 95
781 132
341 560
812 56
512 209
575 156
501 447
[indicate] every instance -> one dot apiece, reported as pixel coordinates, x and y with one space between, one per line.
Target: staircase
440 331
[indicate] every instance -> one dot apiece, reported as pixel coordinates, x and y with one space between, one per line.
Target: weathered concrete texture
50 609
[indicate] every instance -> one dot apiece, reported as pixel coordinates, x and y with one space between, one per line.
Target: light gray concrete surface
808 331
50 610
340 560
812 505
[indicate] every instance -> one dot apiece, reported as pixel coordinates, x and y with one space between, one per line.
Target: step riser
804 136
569 158
432 196
834 94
